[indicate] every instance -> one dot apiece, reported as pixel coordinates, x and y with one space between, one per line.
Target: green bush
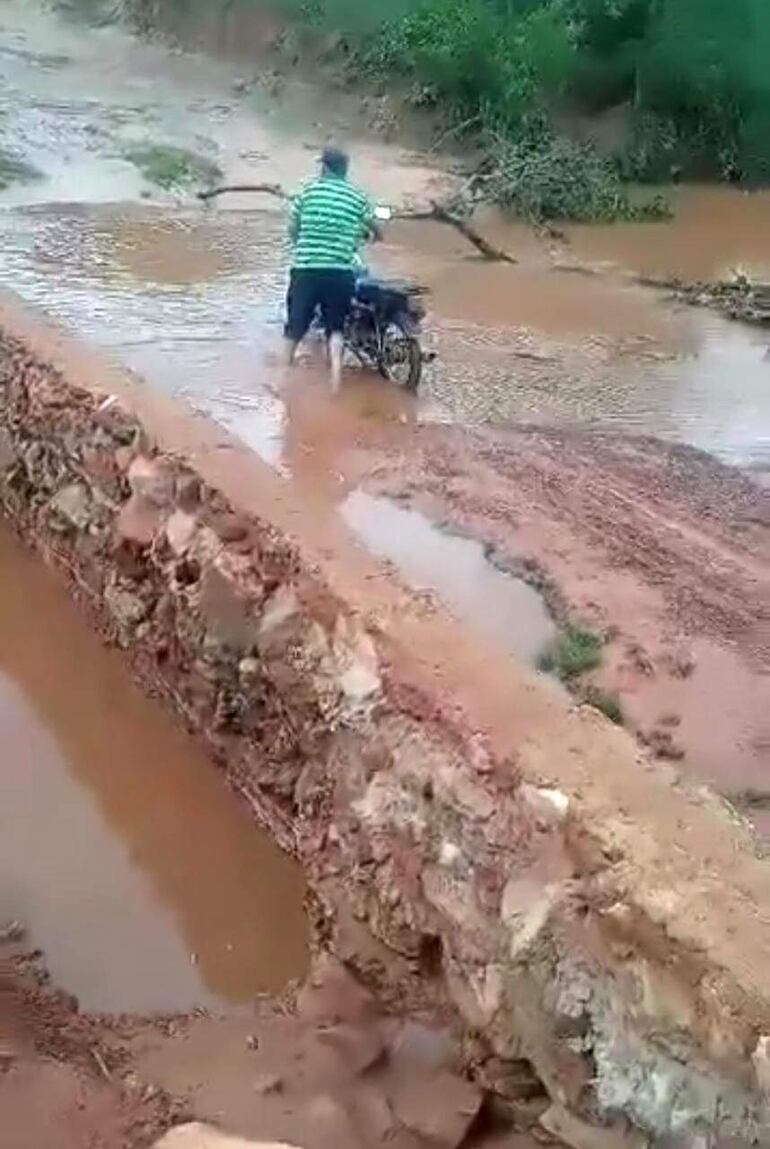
543 176
608 702
693 73
171 167
575 651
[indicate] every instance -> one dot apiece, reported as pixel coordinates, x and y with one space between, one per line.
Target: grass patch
15 170
607 701
170 167
575 651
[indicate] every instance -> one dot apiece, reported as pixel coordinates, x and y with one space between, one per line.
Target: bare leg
290 353
336 348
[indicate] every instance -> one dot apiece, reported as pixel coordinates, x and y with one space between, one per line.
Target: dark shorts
309 289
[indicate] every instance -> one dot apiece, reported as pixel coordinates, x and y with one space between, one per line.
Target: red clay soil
661 548
323 1069
57 1088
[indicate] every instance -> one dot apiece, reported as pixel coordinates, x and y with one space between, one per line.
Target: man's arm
295 216
372 228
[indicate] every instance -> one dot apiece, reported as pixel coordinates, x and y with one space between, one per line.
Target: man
330 220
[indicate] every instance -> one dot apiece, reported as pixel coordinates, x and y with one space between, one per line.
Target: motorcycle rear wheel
401 358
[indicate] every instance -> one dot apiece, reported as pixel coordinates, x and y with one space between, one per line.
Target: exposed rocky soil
660 548
321 1069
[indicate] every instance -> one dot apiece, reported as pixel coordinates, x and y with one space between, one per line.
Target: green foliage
608 702
171 167
693 74
544 176
575 651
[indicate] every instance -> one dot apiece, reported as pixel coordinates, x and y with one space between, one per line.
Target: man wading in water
330 220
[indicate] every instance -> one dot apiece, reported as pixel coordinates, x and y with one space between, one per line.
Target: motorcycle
384 326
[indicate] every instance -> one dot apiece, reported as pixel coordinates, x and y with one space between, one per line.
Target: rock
180 530
268 1083
70 507
372 1111
550 806
761 1061
438 1106
420 1046
231 528
126 608
356 662
7 450
14 931
225 607
332 996
526 908
359 1046
138 522
151 479
195 1135
573 1131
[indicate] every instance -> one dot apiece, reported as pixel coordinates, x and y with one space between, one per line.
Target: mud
661 550
55 1085
473 844
145 885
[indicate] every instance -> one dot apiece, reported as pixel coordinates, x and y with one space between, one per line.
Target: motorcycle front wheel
401 355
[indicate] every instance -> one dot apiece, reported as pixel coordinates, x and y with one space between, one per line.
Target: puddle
135 870
501 608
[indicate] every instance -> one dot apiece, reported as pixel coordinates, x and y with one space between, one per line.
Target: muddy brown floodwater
138 874
500 607
192 299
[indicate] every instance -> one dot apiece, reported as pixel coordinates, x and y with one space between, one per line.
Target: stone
549 805
761 1061
438 1106
180 531
71 507
196 1135
138 522
268 1083
526 908
226 610
579 1134
356 661
126 608
7 450
280 614
231 528
332 996
151 479
414 1045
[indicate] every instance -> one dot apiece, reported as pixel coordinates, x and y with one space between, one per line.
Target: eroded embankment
468 837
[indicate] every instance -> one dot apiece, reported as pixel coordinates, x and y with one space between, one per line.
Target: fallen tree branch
740 298
441 214
436 212
225 189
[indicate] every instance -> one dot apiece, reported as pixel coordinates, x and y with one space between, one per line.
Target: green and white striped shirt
330 219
